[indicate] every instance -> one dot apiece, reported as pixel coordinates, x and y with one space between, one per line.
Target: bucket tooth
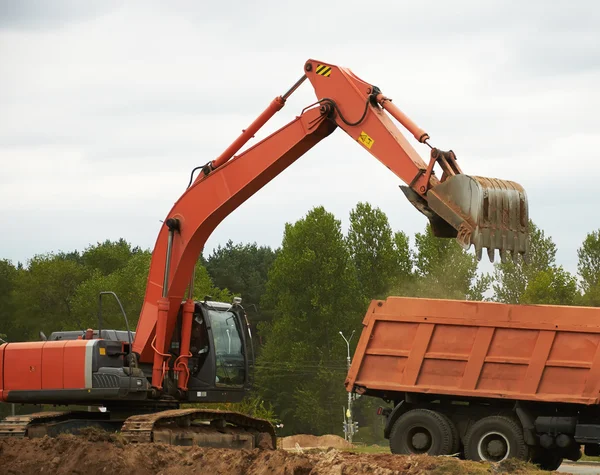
503 253
479 252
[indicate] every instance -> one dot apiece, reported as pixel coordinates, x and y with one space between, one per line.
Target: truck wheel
421 431
547 460
455 447
495 438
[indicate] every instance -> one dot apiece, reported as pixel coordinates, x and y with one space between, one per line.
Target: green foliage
511 279
589 269
404 263
242 269
371 426
8 277
203 286
127 281
553 286
539 281
108 257
44 292
313 291
381 258
60 291
442 269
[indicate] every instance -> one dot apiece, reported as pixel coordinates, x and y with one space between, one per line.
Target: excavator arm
476 211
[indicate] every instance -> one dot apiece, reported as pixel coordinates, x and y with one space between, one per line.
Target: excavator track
18 426
178 427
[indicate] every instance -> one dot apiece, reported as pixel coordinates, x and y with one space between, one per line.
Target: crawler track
204 427
17 426
143 428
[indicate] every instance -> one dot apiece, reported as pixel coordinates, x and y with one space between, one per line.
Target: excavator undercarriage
204 427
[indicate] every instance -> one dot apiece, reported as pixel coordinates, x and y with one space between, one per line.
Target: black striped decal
323 70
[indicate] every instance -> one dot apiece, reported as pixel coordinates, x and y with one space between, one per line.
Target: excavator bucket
483 212
486 212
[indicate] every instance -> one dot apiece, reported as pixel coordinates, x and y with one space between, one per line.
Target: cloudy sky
106 106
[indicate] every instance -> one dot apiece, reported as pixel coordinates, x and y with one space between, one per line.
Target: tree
8 277
511 279
108 256
129 283
443 270
379 256
589 269
313 291
404 259
44 292
241 268
553 286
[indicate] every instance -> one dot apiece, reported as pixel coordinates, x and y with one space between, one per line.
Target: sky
106 106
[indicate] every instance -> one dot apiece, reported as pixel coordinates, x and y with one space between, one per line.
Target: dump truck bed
479 349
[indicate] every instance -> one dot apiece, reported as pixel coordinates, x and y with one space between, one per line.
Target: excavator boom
476 211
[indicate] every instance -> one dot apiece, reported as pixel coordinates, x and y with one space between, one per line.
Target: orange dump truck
486 380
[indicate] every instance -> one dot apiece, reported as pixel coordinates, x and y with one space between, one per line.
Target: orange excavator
185 351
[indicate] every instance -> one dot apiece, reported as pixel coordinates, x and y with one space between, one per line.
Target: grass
586 458
370 449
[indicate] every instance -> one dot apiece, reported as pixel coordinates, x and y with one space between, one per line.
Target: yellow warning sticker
103 351
364 139
323 70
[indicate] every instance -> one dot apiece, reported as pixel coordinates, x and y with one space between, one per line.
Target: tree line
298 296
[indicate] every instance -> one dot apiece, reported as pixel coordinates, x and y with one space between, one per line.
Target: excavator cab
222 352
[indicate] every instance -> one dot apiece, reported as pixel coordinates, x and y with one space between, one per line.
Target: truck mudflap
188 427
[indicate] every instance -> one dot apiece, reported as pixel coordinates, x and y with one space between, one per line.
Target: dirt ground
307 441
77 455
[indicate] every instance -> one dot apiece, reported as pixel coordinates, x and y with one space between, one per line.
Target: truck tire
547 459
456 442
496 438
421 431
